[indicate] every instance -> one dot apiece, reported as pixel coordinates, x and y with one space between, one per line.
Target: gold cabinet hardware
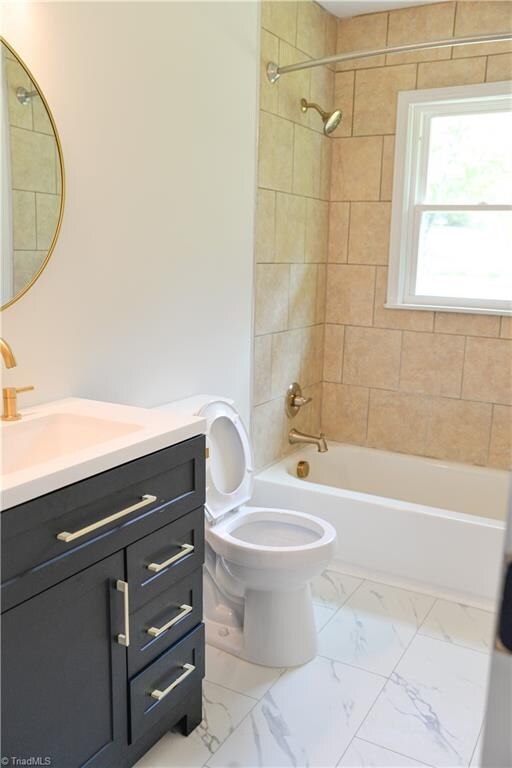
185 550
148 498
207 453
157 631
10 402
159 695
124 638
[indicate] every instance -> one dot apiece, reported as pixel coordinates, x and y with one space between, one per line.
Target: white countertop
145 431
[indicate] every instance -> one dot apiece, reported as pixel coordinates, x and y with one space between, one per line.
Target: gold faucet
9 394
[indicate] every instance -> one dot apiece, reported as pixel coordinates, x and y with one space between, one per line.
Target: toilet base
278 629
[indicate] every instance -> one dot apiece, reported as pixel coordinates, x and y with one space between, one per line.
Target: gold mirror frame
62 175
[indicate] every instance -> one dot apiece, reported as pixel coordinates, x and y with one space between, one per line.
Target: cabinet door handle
185 550
148 498
159 695
124 638
157 631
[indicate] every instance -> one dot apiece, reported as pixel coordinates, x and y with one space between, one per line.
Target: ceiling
345 8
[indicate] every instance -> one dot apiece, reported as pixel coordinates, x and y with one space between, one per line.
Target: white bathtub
434 525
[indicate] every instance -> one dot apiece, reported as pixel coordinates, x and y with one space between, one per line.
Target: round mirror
32 193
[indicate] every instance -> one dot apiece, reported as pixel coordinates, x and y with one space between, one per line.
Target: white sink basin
60 443
55 435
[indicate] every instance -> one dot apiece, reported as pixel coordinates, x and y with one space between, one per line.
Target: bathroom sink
53 436
63 442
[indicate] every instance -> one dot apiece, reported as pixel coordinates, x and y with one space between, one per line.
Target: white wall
148 296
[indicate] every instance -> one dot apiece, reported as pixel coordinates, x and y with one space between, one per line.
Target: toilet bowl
259 562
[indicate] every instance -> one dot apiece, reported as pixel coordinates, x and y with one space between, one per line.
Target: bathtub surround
433 384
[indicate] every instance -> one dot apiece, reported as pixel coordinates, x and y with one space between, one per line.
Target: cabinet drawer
161 559
50 538
156 691
179 608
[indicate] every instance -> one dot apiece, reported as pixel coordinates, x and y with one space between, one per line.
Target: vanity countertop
62 442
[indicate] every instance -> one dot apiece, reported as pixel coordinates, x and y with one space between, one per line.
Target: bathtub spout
301 437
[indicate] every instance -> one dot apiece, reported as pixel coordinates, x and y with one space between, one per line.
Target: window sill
441 308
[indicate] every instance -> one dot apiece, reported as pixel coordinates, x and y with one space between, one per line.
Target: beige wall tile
23 220
388 161
33 161
41 119
302 310
398 421
406 319
343 99
333 352
361 33
268 432
478 18
290 227
326 168
321 283
280 17
317 230
466 324
312 355
372 357
375 97
421 24
26 264
292 88
19 114
272 286
269 93
262 368
437 74
338 232
275 153
331 34
459 431
286 361
369 233
500 448
306 165
322 93
345 413
499 68
356 165
488 370
48 209
432 363
311 29
506 328
265 225
350 291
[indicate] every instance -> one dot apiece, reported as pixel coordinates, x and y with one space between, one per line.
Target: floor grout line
394 751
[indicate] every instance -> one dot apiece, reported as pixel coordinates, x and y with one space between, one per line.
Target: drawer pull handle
185 550
148 498
157 631
159 695
124 639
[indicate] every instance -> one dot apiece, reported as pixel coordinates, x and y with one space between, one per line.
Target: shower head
331 119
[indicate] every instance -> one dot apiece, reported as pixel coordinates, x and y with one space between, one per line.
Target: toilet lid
229 466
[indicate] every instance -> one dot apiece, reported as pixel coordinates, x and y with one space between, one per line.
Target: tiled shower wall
434 384
430 383
292 222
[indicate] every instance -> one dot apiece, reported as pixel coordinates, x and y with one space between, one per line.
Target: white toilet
259 561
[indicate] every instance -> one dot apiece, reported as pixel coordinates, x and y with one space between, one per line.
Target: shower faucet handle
295 399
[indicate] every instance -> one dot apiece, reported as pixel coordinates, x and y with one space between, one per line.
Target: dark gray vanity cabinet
102 635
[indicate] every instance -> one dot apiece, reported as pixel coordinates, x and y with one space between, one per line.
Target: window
451 225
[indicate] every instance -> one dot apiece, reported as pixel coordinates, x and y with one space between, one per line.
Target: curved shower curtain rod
274 71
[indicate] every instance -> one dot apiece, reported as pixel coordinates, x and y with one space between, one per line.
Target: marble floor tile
223 710
460 624
239 675
374 627
332 589
307 718
362 754
322 615
432 707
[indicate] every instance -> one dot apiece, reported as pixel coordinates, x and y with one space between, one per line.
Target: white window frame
415 111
